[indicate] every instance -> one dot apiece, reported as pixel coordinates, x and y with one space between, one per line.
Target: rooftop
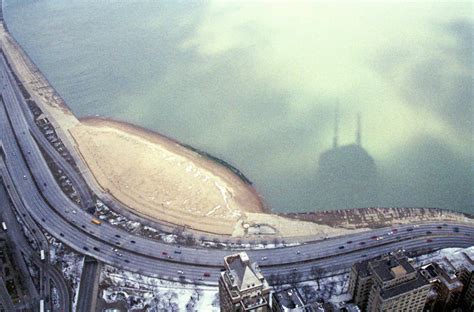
405 287
242 274
390 268
289 300
434 272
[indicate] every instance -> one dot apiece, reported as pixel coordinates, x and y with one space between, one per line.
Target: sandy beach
159 179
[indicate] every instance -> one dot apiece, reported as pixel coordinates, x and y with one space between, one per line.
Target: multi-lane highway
26 171
47 273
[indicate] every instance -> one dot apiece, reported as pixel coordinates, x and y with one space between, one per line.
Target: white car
264 258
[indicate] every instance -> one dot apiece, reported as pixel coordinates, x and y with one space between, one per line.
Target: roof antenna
358 134
336 126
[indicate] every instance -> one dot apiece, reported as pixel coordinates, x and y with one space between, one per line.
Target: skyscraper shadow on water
346 175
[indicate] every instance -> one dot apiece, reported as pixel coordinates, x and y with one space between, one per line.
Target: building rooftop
362 268
390 268
242 274
289 300
434 272
412 284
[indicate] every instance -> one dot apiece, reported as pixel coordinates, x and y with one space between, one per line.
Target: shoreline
158 178
159 138
289 225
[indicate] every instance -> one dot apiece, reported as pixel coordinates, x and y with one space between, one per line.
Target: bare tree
317 273
293 278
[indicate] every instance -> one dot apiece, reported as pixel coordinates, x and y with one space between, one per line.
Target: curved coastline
297 224
150 134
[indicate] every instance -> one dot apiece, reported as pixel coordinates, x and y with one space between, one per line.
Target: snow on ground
451 259
70 263
55 299
145 293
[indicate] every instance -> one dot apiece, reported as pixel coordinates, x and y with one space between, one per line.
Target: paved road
47 272
48 206
89 286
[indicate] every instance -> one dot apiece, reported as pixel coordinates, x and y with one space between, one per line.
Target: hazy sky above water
256 83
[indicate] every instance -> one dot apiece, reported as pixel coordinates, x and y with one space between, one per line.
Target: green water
256 84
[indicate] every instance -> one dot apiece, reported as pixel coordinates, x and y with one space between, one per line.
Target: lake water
257 85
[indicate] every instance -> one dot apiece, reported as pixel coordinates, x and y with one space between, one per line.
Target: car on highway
349 242
264 258
207 274
177 251
429 240
180 272
164 253
341 247
374 237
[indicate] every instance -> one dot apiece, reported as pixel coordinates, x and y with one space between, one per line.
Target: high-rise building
447 288
465 273
360 284
388 283
242 286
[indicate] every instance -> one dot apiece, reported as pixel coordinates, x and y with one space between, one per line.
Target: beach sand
159 179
